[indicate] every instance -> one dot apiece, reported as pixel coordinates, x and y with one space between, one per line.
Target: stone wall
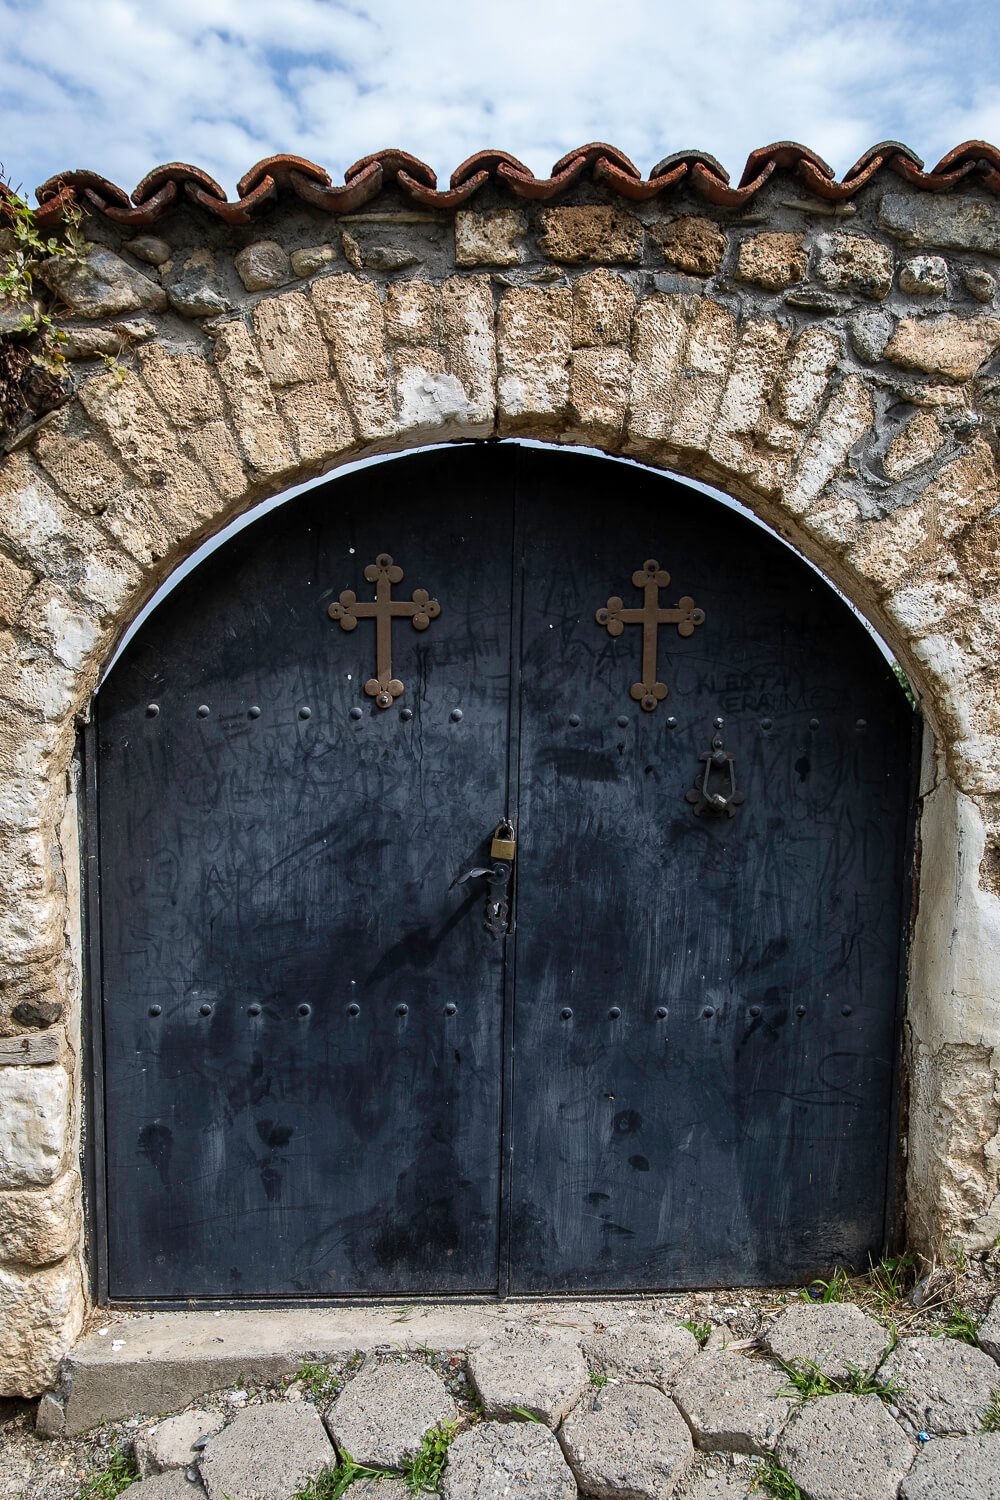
834 366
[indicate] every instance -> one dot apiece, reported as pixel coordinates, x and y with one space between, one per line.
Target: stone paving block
507 1459
845 1448
988 1331
389 1488
169 1486
627 1439
540 1372
835 1335
945 1385
654 1352
266 1453
955 1469
720 1476
385 1411
171 1444
733 1402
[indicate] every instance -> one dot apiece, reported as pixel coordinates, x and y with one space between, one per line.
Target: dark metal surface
324 1078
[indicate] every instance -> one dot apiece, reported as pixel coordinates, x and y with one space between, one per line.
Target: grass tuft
807 1380
991 1416
319 1380
961 1326
837 1289
776 1481
118 1473
422 1471
701 1331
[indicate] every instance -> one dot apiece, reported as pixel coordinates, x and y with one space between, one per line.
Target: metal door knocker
715 791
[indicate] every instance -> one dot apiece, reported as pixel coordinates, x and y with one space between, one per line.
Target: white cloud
122 85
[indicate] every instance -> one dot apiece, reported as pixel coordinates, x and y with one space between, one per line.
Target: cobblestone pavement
820 1401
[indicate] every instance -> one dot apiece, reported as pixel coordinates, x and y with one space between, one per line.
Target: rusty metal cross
383 573
651 578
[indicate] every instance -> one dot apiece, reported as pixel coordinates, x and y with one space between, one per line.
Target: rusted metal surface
971 162
348 610
651 578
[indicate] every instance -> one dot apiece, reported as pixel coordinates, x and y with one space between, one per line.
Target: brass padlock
504 845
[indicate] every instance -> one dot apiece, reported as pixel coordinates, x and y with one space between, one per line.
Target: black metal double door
322 1076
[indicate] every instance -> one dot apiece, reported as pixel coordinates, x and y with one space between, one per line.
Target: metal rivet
253 713
253 1010
156 1010
406 714
661 1014
152 709
719 723
567 1014
356 713
456 716
813 723
402 1010
766 723
614 1014
671 722
384 700
305 713
203 710
204 1010
755 1011
450 1009
846 1010
708 1011
800 1010
574 721
305 1010
861 725
354 1010
622 721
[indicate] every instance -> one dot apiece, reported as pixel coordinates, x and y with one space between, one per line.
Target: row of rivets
623 722
203 711
614 1014
305 1010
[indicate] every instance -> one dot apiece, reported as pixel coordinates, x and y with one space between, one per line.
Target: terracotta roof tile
276 176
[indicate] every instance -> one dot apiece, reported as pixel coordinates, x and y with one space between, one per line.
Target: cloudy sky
122 85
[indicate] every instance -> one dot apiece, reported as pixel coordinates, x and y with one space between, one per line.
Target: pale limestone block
924 276
58 624
533 349
261 433
15 585
214 451
834 520
429 397
889 549
771 260
313 258
920 606
350 314
38 526
26 873
411 309
918 442
847 416
318 420
946 346
800 388
978 552
41 1313
598 392
31 932
85 471
292 348
603 308
963 489
468 336
186 387
42 1225
691 243
591 234
31 679
34 1120
854 263
107 579
490 239
758 361
659 338
710 352
134 521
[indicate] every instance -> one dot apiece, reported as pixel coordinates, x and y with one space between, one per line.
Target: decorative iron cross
383 573
684 615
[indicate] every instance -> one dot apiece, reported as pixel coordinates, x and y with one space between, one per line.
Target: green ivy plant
20 262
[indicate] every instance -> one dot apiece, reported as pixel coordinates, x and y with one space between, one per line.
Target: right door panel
705 1020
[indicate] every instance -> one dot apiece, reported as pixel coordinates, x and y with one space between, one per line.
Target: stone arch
893 497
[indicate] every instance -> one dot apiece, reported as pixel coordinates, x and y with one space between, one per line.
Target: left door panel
302 1021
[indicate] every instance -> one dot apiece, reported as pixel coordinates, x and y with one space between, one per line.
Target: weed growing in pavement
890 1279
319 1380
960 1325
332 1483
776 1481
991 1416
701 1331
423 1471
598 1380
807 1380
118 1473
837 1289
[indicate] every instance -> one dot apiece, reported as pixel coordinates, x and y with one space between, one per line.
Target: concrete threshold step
159 1362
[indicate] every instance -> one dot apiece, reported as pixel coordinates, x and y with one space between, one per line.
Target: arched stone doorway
347 1050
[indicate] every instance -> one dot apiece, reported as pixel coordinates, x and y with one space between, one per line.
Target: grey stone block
507 1459
385 1411
266 1453
732 1402
720 1476
953 223
834 1335
627 1439
653 1352
540 1372
955 1469
171 1444
169 1486
945 1385
988 1331
846 1448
